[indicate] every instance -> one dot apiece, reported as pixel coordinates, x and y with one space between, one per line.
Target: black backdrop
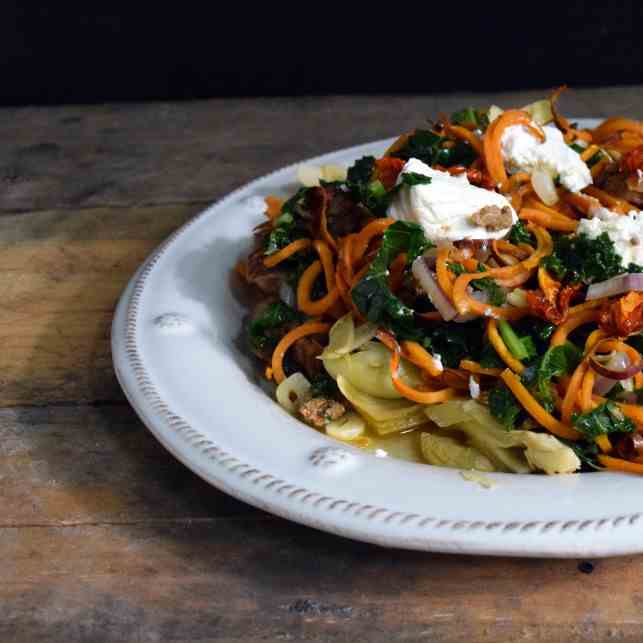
94 52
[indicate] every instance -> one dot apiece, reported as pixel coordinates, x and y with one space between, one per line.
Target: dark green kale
272 317
365 189
504 406
520 234
522 348
578 258
289 225
466 117
556 362
372 295
323 385
413 178
489 358
456 268
456 341
429 148
371 191
497 296
603 420
586 450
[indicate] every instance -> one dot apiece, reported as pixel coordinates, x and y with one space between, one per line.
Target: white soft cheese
523 152
445 206
624 230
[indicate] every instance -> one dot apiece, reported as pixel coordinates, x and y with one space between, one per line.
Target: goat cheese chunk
523 152
624 230
449 208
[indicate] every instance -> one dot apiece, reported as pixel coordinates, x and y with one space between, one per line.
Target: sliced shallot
429 284
616 286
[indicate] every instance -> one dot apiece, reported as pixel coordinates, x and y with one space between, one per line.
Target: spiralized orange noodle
374 310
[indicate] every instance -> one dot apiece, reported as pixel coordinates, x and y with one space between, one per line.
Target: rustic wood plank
95 464
250 580
159 153
61 274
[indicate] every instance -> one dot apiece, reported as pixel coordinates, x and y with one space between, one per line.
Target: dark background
94 52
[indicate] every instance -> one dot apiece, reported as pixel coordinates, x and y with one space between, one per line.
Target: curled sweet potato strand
609 201
573 389
531 405
474 367
277 257
549 220
464 134
491 145
273 207
572 323
615 125
309 328
514 275
442 271
373 229
618 464
305 286
419 356
410 393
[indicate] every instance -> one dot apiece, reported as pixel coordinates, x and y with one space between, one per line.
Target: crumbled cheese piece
522 151
445 208
624 230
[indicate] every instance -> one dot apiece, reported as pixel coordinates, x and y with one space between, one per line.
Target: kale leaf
497 296
520 234
372 295
557 361
273 316
428 147
456 268
456 341
466 116
413 178
489 358
366 190
289 225
603 420
578 258
504 406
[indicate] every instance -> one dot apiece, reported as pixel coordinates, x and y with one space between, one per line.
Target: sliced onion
429 284
616 286
617 368
603 385
544 187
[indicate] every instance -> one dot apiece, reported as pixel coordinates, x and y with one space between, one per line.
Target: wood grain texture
124 155
103 535
61 274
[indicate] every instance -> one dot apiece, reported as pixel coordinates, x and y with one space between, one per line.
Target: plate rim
400 529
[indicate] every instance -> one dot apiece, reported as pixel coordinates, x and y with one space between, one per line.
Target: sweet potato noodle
537 331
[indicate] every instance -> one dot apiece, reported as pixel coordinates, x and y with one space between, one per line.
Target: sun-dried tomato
633 160
623 316
387 169
554 310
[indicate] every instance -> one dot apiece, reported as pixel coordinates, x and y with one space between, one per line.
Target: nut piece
493 218
320 410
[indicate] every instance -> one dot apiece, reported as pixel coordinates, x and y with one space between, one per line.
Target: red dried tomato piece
623 316
387 169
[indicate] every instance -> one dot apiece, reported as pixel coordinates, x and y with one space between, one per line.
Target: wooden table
103 535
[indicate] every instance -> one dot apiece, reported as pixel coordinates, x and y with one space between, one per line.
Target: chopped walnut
493 218
320 411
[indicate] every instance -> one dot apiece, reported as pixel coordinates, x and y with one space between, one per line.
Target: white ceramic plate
177 358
